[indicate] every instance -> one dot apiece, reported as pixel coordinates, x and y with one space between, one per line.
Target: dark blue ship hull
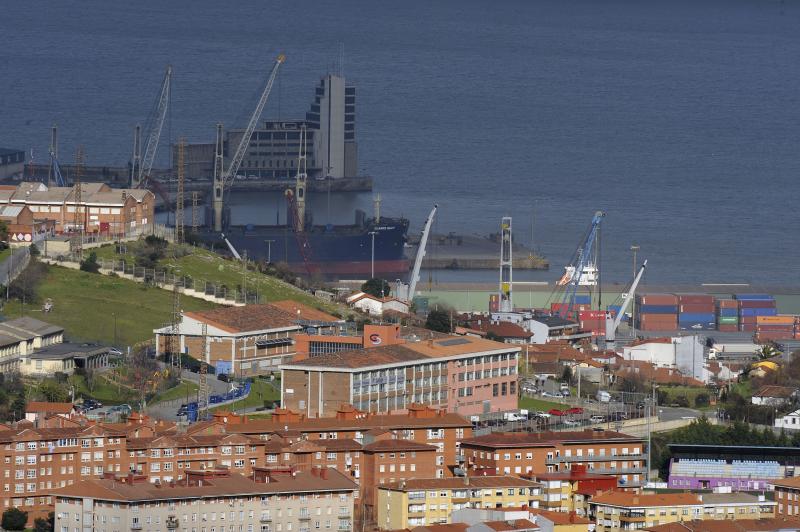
341 251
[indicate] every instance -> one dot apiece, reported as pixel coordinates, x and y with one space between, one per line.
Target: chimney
124 195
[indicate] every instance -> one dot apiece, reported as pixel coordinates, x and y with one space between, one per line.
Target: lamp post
269 250
372 261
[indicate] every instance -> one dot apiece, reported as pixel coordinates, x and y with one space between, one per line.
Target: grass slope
201 264
85 305
531 403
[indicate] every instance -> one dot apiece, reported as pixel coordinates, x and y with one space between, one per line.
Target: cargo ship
351 251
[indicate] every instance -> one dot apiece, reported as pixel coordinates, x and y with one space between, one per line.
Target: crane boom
574 272
224 180
157 125
423 241
613 323
60 182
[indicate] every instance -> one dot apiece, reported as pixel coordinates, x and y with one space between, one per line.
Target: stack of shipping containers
751 306
657 312
774 328
696 312
727 315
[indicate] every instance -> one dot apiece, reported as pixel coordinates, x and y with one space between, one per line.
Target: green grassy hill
85 304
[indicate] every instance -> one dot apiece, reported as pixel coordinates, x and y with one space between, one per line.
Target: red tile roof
304 312
545 439
627 500
41 407
247 318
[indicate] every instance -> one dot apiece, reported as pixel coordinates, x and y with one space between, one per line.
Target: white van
603 396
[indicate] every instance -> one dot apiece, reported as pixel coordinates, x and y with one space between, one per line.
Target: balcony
304 517
172 522
632 518
136 526
265 518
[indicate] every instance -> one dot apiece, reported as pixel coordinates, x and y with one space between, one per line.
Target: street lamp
269 250
372 262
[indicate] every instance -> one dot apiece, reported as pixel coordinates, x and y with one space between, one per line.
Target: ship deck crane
224 178
59 177
613 323
404 291
582 264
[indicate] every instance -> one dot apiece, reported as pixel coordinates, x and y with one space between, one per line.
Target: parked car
597 419
575 410
555 412
572 423
542 414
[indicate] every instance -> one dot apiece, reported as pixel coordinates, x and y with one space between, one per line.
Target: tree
14 519
89 264
376 287
41 524
491 335
701 400
438 320
566 376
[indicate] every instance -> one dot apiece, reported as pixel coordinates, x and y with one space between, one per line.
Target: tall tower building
333 114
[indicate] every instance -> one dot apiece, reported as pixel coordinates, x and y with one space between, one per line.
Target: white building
685 353
789 421
376 306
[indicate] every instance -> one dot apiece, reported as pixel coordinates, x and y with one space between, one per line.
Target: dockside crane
223 179
404 291
613 323
582 269
156 123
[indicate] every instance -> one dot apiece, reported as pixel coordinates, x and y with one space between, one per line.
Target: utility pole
180 232
136 158
269 250
53 153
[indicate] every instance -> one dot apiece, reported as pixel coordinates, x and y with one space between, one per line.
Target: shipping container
727 303
728 320
695 299
592 315
727 328
697 326
775 328
728 312
494 302
583 299
753 312
757 304
775 320
658 299
752 297
658 309
697 308
697 317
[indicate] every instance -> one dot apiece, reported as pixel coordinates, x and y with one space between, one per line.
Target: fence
14 264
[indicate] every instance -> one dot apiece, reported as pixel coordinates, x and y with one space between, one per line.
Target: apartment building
421 424
466 375
564 491
787 497
543 520
602 452
389 461
206 501
616 511
102 210
243 341
168 457
428 501
316 343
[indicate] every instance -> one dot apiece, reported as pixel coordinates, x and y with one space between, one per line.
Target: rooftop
448 347
68 350
627 500
304 312
20 329
414 484
228 485
246 319
546 439
41 407
727 525
397 445
781 392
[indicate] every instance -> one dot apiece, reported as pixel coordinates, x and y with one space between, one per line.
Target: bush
89 264
702 400
681 401
14 519
25 287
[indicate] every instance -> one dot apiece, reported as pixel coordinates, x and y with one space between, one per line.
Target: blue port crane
582 269
60 181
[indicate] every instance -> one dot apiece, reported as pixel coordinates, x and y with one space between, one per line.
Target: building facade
466 375
209 500
602 452
429 501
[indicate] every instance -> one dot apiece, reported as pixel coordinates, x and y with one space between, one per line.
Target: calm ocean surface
678 118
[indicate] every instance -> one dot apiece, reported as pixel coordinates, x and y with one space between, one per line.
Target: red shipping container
592 315
748 319
727 303
695 299
757 304
727 328
658 299
775 328
494 302
697 308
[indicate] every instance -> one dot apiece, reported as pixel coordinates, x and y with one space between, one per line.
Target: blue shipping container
697 326
657 309
753 297
728 312
758 312
583 300
697 317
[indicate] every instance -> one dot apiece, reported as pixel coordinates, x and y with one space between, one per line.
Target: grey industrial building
274 148
12 162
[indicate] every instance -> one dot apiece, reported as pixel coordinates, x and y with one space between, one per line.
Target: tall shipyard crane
613 323
404 291
156 123
582 269
224 178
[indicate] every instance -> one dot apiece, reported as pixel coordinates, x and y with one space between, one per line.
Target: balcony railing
172 523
